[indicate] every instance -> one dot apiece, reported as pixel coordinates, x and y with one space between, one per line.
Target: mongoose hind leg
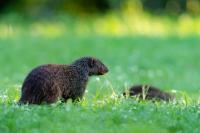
53 94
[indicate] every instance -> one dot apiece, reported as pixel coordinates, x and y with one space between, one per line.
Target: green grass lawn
171 63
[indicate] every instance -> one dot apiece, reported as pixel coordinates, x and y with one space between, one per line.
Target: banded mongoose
148 92
51 82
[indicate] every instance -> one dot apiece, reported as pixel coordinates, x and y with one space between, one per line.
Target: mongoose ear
91 63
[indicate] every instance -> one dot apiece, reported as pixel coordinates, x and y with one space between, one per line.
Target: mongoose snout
96 67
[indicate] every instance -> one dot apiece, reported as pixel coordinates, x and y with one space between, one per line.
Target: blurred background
51 7
141 41
111 17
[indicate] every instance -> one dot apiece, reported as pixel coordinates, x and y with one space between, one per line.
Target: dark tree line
92 6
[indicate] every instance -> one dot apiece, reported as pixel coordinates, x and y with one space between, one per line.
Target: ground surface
171 63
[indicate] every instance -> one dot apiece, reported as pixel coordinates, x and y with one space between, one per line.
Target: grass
170 63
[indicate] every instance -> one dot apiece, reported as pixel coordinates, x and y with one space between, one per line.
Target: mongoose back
51 82
148 92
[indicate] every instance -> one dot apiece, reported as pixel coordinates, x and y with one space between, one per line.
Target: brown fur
148 92
48 83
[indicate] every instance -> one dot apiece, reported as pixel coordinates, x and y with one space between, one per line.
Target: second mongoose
148 92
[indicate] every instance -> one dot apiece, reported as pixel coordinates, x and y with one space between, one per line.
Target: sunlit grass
138 49
47 29
111 24
107 115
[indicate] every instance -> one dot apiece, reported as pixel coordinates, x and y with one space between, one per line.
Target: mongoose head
93 65
96 67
